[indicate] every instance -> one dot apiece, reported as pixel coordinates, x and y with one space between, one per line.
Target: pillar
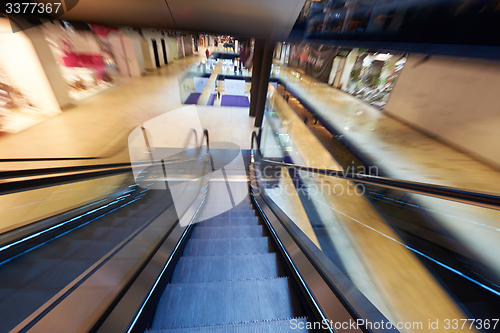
258 52
267 61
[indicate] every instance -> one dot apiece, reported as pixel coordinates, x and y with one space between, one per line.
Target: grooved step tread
241 206
225 268
229 221
276 326
226 246
218 303
228 232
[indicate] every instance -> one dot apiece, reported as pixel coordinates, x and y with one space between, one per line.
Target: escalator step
225 268
241 206
218 303
229 221
214 247
238 213
227 232
275 326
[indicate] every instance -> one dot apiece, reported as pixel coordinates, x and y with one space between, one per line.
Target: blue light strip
451 269
324 318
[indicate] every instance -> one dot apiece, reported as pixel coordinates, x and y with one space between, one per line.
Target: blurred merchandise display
369 76
373 77
85 58
16 107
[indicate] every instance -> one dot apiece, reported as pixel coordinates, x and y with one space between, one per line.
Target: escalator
228 279
232 258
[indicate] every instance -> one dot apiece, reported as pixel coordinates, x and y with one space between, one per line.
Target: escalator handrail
27 179
64 175
476 198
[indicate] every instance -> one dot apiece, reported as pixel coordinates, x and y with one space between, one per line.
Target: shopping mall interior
250 166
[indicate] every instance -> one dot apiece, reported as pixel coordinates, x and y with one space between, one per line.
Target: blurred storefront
26 94
46 68
373 76
369 76
87 63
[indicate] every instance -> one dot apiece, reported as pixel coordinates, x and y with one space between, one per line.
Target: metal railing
482 199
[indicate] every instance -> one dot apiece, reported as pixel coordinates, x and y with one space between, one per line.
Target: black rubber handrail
482 199
5 175
29 179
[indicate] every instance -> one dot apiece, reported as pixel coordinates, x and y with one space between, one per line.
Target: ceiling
268 19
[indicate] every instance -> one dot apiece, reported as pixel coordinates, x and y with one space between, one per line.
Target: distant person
207 53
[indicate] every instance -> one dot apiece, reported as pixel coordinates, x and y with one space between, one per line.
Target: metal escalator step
225 268
292 325
236 212
229 221
218 303
243 206
228 232
221 246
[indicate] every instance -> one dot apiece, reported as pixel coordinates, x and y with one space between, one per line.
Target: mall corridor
276 166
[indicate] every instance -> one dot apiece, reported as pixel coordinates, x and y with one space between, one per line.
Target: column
267 61
258 52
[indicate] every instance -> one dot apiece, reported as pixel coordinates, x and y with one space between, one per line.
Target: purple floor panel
231 100
193 98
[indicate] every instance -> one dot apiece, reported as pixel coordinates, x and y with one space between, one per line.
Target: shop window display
373 76
15 105
86 61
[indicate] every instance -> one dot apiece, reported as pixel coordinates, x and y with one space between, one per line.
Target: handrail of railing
207 137
23 180
482 199
23 173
